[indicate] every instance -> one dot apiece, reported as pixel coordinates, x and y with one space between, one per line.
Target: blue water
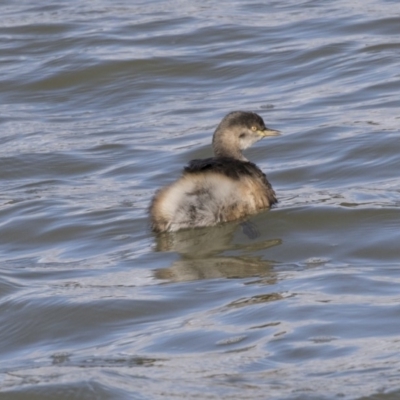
103 103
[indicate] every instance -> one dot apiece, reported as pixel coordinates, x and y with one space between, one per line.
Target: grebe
218 189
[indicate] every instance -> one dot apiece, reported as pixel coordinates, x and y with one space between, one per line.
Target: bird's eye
253 128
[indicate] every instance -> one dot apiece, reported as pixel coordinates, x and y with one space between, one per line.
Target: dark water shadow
202 254
395 395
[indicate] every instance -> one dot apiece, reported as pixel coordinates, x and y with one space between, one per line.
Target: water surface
101 104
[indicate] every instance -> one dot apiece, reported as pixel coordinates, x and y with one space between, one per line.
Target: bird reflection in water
202 257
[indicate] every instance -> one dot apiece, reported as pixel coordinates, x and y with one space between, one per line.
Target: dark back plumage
231 168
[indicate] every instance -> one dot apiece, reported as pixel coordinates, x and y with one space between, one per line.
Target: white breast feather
179 197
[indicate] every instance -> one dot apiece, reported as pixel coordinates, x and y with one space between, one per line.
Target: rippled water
103 102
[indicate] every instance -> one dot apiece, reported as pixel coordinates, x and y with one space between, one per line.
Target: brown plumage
219 189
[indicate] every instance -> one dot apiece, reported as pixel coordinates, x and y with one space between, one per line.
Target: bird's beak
269 132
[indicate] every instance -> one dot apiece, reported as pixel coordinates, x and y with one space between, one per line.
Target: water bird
222 188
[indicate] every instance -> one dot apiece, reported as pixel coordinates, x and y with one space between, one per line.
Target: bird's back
210 191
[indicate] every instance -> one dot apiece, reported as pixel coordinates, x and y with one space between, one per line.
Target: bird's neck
225 146
230 153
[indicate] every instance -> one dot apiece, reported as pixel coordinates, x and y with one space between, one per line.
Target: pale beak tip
271 132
